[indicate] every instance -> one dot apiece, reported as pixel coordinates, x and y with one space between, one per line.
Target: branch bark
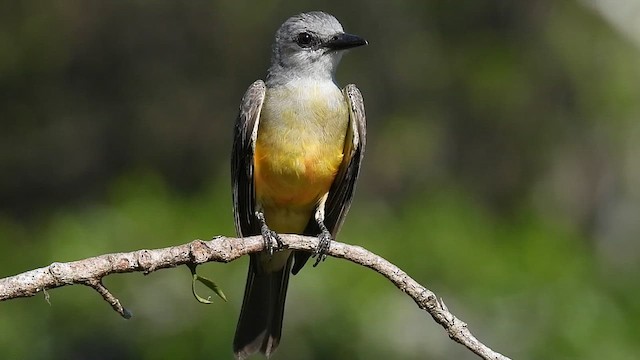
90 272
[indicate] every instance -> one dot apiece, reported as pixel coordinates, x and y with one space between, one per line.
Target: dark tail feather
260 323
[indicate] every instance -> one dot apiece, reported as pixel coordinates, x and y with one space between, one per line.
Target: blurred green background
501 172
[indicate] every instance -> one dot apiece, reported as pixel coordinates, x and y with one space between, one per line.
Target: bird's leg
268 236
325 238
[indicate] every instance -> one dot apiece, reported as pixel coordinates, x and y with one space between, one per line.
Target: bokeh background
502 172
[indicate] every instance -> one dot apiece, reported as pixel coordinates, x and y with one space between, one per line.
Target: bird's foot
324 242
272 241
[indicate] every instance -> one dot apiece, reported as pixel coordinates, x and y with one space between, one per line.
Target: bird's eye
304 39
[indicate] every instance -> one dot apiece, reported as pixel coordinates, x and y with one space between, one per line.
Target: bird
298 145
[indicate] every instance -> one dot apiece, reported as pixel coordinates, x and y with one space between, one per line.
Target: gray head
309 45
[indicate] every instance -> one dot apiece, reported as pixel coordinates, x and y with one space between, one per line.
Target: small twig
98 286
224 249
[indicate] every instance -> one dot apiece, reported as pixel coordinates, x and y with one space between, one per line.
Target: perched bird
298 145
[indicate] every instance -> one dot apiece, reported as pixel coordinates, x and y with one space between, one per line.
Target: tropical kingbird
298 145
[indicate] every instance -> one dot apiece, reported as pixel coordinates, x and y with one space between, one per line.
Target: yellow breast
298 151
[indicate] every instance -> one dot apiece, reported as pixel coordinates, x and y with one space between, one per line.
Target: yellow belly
299 150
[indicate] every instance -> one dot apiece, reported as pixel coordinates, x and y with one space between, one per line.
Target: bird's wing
343 187
244 142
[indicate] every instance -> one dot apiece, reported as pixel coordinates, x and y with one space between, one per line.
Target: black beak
344 41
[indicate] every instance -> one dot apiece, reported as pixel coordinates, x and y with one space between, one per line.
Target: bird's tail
260 324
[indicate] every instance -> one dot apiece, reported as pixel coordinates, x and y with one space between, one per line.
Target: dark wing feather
343 187
244 140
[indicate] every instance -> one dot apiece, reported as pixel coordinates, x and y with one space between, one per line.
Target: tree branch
90 272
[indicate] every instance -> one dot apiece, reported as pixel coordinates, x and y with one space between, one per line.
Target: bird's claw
324 242
272 241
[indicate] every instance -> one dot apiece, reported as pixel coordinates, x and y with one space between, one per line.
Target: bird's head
310 45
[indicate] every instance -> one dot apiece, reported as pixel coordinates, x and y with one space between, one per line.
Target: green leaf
206 282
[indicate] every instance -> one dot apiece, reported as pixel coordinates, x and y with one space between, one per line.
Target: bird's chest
300 142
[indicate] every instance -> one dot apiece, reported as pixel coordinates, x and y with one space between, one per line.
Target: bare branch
225 249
